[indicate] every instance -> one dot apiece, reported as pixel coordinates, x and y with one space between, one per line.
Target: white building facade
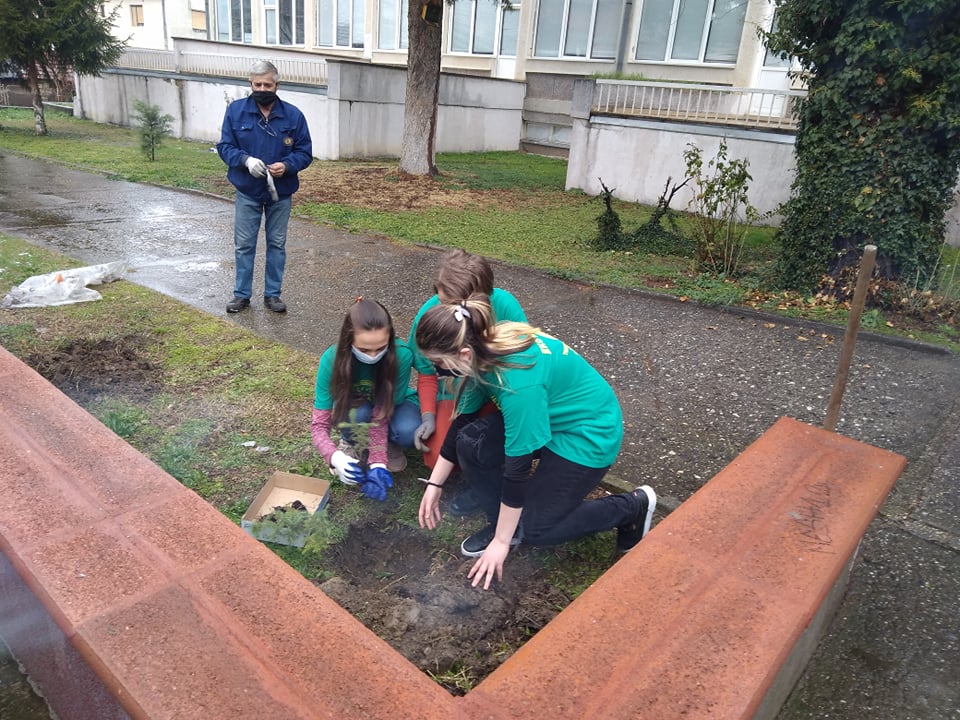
703 41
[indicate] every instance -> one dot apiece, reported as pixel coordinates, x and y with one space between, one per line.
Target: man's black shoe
474 545
275 304
464 504
630 534
237 304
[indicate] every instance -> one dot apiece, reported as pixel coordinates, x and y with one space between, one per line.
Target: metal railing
306 71
144 59
712 104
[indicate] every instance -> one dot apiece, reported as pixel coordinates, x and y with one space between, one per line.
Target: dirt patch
86 370
424 607
383 187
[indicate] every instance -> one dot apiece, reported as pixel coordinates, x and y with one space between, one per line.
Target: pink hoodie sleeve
320 432
378 439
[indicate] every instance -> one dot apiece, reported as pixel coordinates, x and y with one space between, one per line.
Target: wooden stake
867 263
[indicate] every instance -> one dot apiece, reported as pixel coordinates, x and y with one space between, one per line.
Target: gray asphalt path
697 385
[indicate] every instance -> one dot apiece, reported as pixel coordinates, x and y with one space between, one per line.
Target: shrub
878 142
153 127
720 208
651 237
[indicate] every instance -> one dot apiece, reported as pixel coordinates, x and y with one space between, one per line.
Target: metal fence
712 104
306 71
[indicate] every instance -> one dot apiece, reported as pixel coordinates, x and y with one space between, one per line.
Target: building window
340 23
479 27
234 22
283 22
704 31
577 29
136 15
392 28
198 19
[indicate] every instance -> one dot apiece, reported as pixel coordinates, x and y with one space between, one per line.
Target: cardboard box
282 489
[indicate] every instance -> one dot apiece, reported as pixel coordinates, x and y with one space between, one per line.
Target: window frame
226 20
334 10
136 14
275 24
497 40
564 32
669 47
401 39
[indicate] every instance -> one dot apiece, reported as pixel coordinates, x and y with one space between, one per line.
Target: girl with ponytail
555 408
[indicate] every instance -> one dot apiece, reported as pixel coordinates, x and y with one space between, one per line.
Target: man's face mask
368 359
264 97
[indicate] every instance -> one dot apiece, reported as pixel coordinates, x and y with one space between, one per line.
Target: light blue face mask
368 359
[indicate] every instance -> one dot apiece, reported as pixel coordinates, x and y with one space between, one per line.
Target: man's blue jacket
284 136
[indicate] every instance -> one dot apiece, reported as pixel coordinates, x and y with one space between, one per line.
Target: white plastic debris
64 286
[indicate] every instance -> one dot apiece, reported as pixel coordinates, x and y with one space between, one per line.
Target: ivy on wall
878 143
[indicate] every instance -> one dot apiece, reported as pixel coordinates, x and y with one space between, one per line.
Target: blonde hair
445 329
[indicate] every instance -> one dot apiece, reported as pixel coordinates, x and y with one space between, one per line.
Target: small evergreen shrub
154 127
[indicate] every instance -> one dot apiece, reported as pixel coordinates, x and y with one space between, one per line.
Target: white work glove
428 425
346 467
256 167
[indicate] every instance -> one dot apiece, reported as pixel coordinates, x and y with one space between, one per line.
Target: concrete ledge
721 603
176 610
177 613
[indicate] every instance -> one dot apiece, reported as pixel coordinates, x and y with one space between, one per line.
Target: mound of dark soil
425 607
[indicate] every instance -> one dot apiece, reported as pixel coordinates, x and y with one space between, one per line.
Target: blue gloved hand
378 481
346 468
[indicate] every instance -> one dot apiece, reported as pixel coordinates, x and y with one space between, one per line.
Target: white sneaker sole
651 506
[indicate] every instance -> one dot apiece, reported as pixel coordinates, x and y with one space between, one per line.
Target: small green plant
290 523
458 679
719 198
650 237
154 127
359 436
610 235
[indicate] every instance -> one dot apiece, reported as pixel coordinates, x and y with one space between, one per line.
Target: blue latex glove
378 481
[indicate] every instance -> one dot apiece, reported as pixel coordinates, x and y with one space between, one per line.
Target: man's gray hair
265 67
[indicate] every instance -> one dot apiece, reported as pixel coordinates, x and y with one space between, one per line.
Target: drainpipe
624 35
163 11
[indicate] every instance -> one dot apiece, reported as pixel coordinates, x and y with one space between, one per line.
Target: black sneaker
274 304
474 545
464 504
237 304
630 534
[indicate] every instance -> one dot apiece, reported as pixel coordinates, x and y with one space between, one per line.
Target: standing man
265 142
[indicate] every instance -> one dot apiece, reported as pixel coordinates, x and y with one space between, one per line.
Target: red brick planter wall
177 613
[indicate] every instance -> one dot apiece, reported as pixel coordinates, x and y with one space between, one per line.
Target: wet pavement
697 386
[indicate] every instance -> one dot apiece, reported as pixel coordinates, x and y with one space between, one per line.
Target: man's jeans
246 228
554 509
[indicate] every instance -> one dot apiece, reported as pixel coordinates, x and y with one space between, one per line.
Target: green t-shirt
553 399
362 375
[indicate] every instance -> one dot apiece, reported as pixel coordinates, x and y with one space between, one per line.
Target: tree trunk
39 123
417 153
